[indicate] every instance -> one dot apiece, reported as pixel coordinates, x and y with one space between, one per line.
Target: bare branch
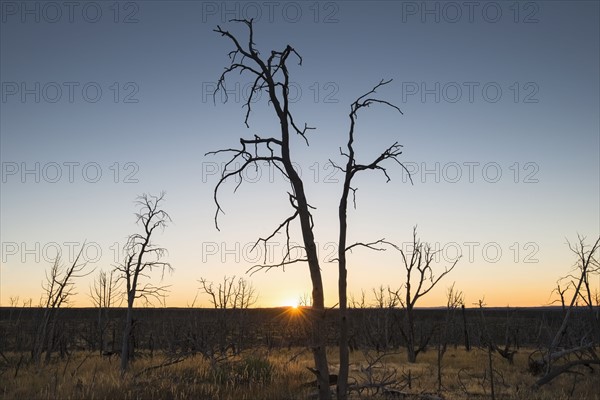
370 245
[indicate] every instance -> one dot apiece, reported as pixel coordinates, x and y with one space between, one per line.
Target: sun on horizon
291 303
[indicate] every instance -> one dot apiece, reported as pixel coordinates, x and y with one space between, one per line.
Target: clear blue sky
500 127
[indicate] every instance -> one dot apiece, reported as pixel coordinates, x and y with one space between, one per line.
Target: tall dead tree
420 280
142 256
350 170
272 76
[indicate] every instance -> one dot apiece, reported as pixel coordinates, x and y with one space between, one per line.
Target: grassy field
282 374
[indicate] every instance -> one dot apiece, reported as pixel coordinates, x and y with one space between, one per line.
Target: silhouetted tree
420 280
454 299
271 74
578 347
58 290
104 292
142 256
229 294
350 170
232 297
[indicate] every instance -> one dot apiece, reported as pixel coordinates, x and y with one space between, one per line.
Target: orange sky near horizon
277 288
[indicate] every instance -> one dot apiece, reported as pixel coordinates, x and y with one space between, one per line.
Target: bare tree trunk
440 355
50 341
351 168
410 342
41 338
319 345
127 335
454 299
491 367
318 333
100 332
465 331
411 353
342 387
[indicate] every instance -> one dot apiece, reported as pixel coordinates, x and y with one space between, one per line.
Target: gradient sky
500 127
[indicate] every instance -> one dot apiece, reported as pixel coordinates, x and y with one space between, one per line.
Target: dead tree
568 351
233 298
380 325
488 342
350 170
377 377
104 293
271 74
142 257
58 290
585 268
230 294
420 280
454 299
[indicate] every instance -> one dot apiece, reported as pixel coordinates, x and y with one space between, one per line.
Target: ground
282 374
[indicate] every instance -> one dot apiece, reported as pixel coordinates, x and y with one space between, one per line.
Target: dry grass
466 376
263 375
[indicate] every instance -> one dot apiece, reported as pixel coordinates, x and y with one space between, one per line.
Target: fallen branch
561 370
163 365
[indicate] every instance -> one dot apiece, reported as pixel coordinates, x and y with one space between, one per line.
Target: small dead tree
350 170
569 351
385 297
105 294
303 300
380 325
420 280
454 300
58 290
231 298
587 268
488 342
142 257
377 377
561 292
220 296
508 352
271 74
360 302
245 295
229 294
